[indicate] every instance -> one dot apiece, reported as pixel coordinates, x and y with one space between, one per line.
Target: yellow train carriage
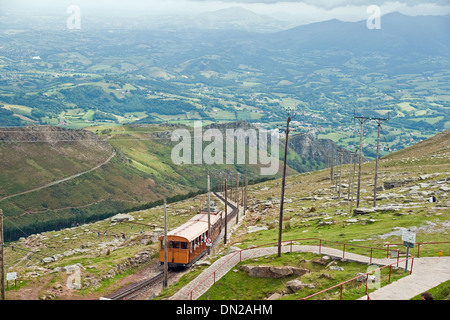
187 243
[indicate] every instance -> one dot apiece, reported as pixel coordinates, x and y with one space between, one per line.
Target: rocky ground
95 259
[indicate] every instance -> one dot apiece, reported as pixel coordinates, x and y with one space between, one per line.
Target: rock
387 208
272 272
122 217
336 268
274 296
358 211
252 229
265 205
363 277
395 184
48 259
202 263
295 285
325 223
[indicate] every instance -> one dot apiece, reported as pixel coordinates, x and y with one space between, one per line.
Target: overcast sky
306 10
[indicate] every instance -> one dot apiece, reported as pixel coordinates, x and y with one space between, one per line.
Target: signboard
408 238
11 276
208 242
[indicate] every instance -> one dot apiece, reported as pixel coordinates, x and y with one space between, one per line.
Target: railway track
233 212
139 288
136 290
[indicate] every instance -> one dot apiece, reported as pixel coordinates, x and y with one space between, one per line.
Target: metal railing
238 257
341 285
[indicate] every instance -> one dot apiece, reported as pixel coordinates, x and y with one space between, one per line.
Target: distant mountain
399 34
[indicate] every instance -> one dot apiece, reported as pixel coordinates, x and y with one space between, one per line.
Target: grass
311 202
441 292
236 284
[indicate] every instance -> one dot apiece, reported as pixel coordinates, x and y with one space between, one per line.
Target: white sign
208 242
408 236
11 276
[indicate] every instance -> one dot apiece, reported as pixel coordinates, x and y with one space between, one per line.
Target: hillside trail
427 272
61 180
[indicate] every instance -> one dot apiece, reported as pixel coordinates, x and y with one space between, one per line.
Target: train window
184 245
175 244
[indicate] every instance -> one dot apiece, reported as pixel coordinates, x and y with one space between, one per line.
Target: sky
293 10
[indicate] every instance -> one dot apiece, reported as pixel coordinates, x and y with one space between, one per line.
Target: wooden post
283 183
349 177
209 214
2 262
245 193
331 167
237 198
353 181
226 213
359 165
340 174
165 246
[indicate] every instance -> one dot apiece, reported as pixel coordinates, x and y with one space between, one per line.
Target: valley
101 123
312 210
226 76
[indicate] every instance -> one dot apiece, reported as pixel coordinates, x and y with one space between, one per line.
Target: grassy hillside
140 174
312 210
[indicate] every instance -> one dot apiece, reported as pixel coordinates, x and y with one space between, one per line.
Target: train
188 242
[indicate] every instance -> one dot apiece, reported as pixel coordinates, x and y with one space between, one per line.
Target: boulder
362 277
48 259
122 217
359 211
273 272
256 228
295 285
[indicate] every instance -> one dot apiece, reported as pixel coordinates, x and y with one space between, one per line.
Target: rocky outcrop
273 272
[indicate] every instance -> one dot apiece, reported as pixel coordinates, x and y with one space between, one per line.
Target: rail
418 245
135 290
233 212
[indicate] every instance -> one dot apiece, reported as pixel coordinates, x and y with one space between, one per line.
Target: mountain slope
54 176
114 170
399 34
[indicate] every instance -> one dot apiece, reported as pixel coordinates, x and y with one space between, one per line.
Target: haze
296 12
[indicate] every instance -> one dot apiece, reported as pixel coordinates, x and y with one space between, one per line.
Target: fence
341 285
249 253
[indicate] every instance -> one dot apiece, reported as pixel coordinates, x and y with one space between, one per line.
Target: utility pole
361 121
209 214
340 172
379 121
237 197
165 245
245 192
331 167
351 186
291 114
226 213
349 177
2 261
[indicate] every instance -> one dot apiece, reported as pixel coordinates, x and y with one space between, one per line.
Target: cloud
331 4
